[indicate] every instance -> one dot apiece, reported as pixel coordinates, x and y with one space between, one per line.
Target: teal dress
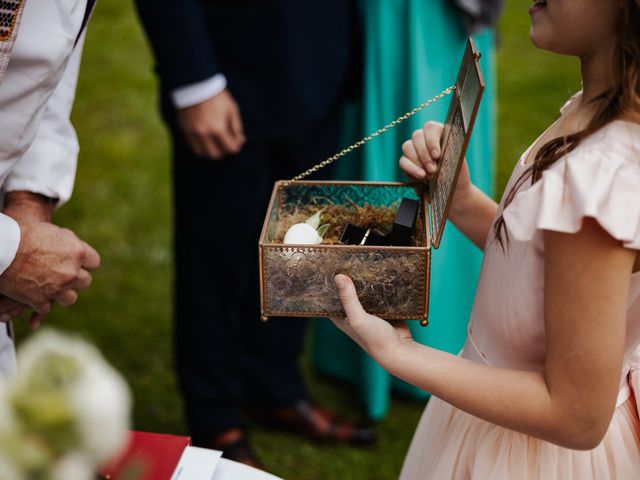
412 51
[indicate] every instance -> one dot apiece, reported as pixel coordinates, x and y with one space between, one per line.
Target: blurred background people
39 61
251 92
412 51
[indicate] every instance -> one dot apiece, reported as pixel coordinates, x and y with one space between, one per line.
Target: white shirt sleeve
195 93
48 166
9 241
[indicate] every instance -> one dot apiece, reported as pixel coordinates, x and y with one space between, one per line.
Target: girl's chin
538 39
535 37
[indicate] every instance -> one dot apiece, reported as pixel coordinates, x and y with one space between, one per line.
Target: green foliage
532 86
122 206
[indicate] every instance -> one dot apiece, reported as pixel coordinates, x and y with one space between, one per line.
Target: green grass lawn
121 205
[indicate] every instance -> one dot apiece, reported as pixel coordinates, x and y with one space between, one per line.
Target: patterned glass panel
453 152
391 283
301 193
457 131
360 194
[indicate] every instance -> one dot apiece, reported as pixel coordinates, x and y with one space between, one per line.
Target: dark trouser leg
271 357
217 207
272 350
223 351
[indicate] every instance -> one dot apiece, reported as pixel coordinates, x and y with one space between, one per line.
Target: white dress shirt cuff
195 93
9 241
48 168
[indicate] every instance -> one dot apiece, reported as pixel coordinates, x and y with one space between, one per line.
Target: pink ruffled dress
599 179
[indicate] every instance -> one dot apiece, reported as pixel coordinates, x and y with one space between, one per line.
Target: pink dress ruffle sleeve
600 179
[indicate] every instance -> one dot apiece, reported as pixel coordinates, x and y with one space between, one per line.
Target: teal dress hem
412 52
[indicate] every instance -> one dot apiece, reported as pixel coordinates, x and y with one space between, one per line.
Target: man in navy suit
250 91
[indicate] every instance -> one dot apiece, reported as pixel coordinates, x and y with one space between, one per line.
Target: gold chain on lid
360 143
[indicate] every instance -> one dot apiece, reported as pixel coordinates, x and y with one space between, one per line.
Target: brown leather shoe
314 423
234 444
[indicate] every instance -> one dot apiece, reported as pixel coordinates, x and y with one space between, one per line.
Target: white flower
23 455
102 403
68 393
7 417
9 437
9 470
307 233
73 467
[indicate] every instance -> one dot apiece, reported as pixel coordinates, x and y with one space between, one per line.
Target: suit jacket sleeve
178 35
48 166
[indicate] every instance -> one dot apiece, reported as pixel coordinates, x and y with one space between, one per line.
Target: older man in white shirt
40 48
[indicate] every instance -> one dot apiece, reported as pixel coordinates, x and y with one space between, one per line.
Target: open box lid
461 116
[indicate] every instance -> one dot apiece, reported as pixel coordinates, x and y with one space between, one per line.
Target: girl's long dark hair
623 99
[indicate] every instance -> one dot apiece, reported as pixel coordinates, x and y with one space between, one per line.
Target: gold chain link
360 143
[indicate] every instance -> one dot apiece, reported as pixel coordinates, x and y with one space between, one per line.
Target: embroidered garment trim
10 15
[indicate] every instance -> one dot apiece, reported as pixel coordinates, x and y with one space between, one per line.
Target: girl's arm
472 211
571 402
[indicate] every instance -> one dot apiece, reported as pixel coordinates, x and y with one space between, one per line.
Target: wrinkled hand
52 264
27 206
422 153
10 309
214 127
375 336
23 206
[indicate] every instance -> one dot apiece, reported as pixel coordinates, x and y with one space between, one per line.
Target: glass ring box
392 279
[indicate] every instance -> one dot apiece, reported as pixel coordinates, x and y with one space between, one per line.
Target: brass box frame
356 261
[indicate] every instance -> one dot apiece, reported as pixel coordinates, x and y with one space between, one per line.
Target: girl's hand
421 155
377 337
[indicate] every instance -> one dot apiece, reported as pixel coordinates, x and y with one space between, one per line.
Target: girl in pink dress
548 383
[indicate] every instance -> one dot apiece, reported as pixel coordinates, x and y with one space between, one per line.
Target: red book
148 456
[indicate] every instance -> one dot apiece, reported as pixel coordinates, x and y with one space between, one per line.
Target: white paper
197 464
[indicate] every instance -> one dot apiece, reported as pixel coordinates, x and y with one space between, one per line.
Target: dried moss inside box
297 280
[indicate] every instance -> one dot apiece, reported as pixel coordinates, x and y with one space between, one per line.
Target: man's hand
52 264
214 127
24 206
27 206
